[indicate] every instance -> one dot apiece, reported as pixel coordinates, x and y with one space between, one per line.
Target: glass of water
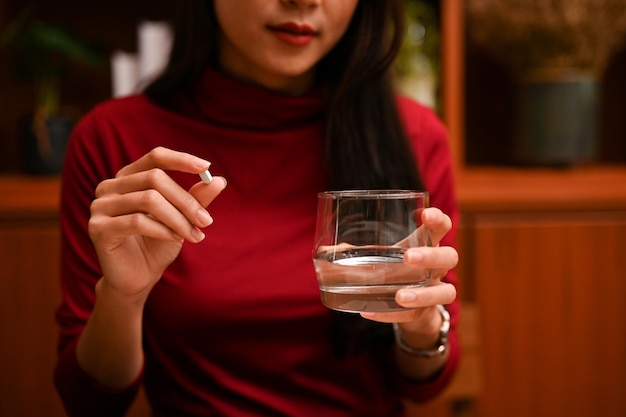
360 240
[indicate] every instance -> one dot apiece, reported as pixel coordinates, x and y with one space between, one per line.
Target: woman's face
277 43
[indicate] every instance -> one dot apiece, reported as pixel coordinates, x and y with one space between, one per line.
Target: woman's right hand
140 219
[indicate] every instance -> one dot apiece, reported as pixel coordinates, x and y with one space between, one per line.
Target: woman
285 99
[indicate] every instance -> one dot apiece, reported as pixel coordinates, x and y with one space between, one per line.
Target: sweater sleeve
431 146
83 170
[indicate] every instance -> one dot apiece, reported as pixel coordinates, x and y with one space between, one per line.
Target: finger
335 248
437 222
206 193
151 203
422 236
437 293
118 228
409 315
168 159
159 180
393 317
415 300
151 178
441 257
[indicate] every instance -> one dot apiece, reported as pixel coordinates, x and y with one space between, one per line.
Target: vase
556 118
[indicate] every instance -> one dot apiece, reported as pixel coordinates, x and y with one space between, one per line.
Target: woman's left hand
422 316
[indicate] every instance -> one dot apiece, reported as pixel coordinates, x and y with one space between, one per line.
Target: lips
293 33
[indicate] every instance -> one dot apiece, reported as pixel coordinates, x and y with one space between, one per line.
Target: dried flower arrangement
549 34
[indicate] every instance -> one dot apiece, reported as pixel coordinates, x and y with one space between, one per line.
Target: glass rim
378 194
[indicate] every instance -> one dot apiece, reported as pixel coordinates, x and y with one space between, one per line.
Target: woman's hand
421 321
140 219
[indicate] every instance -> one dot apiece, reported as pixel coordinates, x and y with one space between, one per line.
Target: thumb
206 193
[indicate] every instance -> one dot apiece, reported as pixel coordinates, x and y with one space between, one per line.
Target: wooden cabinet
542 259
29 296
544 264
29 291
550 286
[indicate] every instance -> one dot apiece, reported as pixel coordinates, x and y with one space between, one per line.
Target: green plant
417 65
42 53
422 39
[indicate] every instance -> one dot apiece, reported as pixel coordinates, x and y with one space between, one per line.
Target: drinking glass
360 240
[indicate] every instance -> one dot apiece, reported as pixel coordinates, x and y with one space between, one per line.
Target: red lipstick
292 33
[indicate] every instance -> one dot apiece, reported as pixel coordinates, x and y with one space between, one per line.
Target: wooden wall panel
551 289
29 294
29 297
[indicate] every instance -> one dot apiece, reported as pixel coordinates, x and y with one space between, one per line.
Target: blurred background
533 96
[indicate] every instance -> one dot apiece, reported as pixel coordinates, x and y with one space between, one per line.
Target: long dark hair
366 142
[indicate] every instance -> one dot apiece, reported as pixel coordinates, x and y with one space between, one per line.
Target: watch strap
442 342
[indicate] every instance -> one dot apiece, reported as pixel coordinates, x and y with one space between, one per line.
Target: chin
293 75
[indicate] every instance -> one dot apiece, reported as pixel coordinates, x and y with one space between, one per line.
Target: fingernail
203 217
406 296
414 256
426 216
197 234
203 164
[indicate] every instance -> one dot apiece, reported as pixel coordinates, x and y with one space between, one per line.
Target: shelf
597 188
496 187
29 198
477 102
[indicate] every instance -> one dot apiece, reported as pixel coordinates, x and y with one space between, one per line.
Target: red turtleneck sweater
235 327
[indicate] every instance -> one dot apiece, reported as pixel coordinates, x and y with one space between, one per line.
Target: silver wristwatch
442 343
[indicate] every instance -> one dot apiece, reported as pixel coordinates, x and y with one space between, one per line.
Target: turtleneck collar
228 102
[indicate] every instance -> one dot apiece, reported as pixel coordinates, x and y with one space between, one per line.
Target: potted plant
41 54
557 52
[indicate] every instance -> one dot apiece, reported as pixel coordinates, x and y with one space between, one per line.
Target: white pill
206 177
